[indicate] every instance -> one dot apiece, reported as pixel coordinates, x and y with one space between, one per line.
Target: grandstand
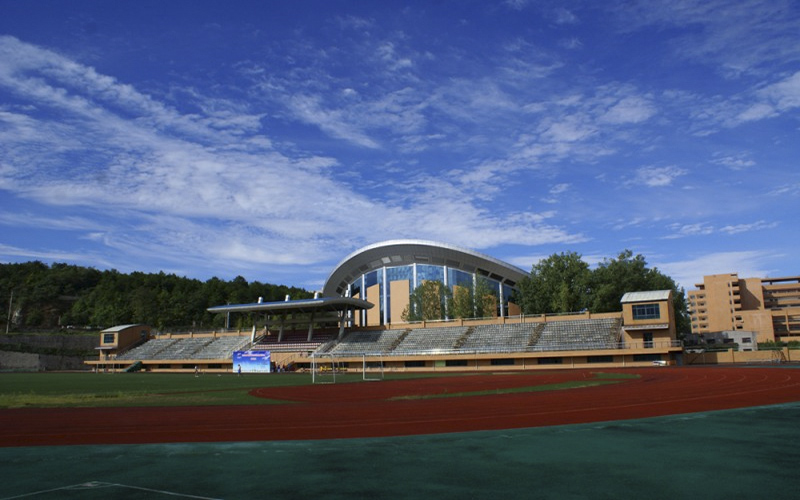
357 319
603 333
524 342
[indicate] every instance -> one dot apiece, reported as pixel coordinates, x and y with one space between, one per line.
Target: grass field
51 390
137 389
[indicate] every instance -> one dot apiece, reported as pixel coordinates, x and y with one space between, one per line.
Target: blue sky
271 139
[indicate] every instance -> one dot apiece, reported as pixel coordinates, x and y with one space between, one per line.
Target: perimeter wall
784 355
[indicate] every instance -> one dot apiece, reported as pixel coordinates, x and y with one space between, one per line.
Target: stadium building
360 321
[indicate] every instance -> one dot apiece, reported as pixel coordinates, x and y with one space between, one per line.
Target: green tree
477 301
560 283
462 305
427 302
629 273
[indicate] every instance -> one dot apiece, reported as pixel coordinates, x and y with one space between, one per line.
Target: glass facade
415 275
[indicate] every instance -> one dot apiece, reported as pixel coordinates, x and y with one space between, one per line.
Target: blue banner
251 362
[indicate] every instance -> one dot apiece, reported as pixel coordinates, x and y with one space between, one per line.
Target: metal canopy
324 304
405 252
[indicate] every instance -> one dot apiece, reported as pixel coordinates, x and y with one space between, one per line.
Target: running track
366 410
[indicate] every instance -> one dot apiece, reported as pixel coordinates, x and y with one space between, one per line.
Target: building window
550 361
456 362
108 338
646 311
600 359
502 362
647 357
647 337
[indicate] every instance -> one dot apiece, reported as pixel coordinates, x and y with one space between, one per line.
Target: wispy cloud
735 37
748 264
658 176
212 181
706 229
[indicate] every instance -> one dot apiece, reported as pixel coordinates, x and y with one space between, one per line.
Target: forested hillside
44 297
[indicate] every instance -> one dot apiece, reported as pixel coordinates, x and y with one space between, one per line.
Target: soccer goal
323 369
372 370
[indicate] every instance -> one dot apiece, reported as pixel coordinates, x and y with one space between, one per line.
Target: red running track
367 410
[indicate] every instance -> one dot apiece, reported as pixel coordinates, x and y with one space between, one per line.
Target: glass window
108 338
372 278
646 311
502 362
647 357
399 273
600 359
550 361
456 277
427 272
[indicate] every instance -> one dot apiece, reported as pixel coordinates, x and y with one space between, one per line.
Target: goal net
372 370
327 367
323 369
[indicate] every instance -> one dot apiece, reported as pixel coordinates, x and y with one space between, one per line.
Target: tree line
561 283
46 297
62 295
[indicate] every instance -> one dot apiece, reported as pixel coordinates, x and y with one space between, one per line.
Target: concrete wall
784 355
28 362
12 360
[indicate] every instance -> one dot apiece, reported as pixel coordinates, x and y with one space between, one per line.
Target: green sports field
52 390
138 389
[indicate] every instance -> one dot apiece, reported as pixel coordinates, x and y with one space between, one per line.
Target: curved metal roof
405 252
325 304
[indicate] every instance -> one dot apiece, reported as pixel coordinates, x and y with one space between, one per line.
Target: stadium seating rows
549 336
189 348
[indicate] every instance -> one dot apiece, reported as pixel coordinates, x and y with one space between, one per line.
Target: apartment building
769 307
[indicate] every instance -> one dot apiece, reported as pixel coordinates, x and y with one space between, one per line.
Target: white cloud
658 176
746 228
210 182
738 38
683 230
334 122
629 110
748 264
740 161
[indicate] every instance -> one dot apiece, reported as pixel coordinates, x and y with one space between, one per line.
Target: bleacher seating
147 350
579 335
519 337
366 342
431 339
222 347
182 349
499 338
562 335
186 348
